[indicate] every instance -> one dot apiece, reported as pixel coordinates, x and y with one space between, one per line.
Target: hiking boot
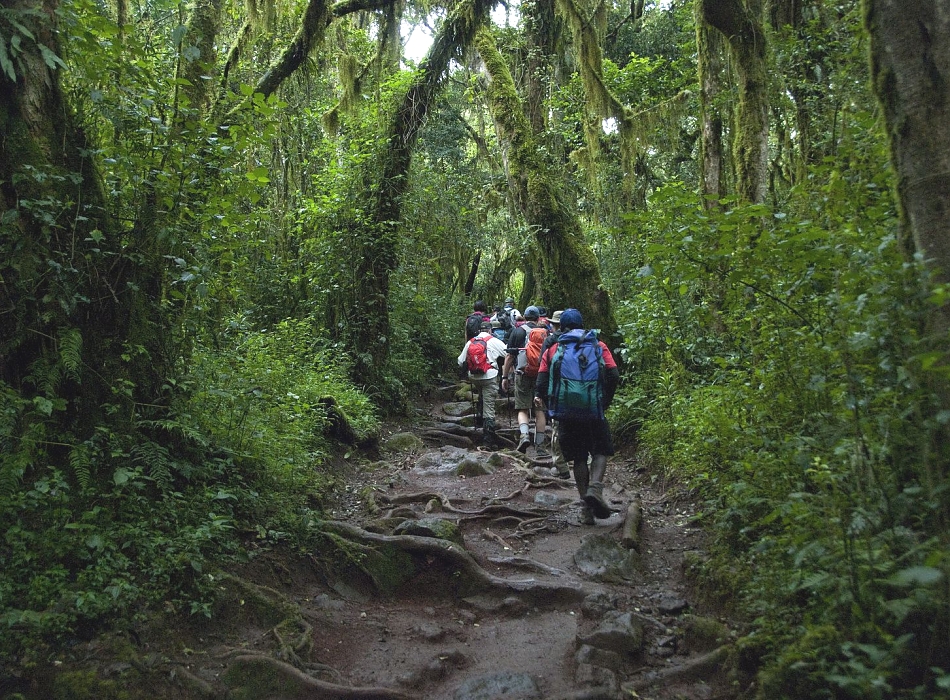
541 454
587 518
489 439
523 444
594 498
566 474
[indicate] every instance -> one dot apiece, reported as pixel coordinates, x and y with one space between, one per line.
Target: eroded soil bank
464 575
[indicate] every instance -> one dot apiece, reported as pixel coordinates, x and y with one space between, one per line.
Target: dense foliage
243 257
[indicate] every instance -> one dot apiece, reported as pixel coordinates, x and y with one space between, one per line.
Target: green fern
173 427
80 460
155 459
70 352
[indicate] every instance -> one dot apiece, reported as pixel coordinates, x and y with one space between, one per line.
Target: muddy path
527 603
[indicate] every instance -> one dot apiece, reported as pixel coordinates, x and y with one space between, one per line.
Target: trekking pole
474 402
508 399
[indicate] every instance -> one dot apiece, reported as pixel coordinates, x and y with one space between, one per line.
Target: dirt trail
431 644
555 616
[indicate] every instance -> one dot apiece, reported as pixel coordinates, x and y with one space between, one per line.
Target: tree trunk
741 23
73 289
910 65
569 275
710 67
378 239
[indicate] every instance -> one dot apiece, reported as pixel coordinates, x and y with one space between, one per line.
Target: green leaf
50 58
43 405
916 576
5 63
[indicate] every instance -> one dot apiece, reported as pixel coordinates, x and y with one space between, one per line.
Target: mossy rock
703 634
474 467
432 527
403 442
458 408
464 394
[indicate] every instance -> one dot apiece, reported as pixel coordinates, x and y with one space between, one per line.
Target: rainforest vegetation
235 236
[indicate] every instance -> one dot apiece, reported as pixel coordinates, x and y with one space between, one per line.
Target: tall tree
740 21
76 292
569 273
910 65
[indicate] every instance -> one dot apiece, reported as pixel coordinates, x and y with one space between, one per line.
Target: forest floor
563 610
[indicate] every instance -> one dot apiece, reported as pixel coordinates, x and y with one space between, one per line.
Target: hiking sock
525 438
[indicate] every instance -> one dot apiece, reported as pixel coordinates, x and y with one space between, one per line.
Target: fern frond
70 352
80 460
155 459
175 427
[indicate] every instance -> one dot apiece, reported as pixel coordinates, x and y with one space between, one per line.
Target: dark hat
509 300
570 319
543 310
485 326
532 313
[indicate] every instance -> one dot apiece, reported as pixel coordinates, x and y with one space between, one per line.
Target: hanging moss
569 274
741 24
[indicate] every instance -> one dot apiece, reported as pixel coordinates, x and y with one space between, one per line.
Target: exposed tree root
699 668
445 438
492 509
476 579
527 564
293 633
263 674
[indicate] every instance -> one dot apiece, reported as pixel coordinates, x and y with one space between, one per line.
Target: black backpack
506 322
473 324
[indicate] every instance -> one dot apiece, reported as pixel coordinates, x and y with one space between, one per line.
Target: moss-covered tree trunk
79 328
710 68
910 65
569 275
740 21
386 180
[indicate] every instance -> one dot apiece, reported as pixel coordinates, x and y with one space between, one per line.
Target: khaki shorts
524 392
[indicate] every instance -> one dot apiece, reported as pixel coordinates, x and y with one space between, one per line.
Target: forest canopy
235 236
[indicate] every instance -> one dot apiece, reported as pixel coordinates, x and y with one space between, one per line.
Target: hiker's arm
611 374
541 384
611 380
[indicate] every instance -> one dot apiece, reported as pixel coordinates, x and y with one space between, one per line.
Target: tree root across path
256 676
491 510
471 578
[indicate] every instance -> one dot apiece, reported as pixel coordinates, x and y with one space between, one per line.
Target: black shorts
578 439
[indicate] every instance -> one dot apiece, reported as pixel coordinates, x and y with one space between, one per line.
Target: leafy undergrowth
313 610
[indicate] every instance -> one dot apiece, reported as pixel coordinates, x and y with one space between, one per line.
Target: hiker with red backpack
576 380
522 363
481 357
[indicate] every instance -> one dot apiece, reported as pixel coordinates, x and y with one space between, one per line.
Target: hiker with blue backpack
481 358
521 366
576 380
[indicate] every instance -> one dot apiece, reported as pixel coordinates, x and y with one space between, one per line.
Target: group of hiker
556 369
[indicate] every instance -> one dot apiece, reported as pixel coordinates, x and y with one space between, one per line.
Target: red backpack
532 350
477 358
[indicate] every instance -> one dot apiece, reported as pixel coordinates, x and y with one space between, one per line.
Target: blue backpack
576 379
